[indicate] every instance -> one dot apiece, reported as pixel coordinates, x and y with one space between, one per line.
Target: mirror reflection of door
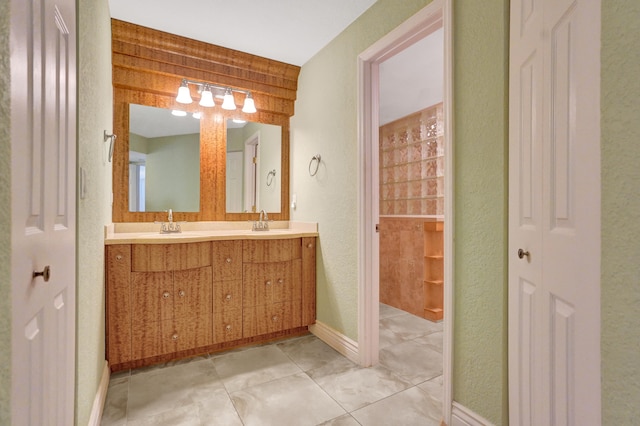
234 181
252 177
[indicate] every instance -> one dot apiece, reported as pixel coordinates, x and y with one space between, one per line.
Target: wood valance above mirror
148 66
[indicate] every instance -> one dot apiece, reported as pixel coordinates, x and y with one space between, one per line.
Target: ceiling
290 31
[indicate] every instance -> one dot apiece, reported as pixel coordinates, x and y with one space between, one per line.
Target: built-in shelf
433 270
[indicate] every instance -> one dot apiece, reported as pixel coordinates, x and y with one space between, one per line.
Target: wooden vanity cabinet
227 288
171 300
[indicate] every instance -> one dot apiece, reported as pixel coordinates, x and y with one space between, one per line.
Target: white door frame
251 175
435 15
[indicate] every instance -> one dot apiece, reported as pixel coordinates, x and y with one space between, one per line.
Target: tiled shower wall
412 164
411 189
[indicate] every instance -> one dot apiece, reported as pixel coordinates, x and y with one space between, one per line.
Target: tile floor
300 381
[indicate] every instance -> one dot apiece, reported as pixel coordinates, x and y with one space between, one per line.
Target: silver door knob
45 273
522 254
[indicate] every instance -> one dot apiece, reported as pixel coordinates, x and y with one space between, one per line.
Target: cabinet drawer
227 260
260 251
227 325
265 319
227 295
170 257
267 283
165 337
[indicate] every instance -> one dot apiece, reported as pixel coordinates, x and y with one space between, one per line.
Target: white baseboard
462 416
101 397
336 340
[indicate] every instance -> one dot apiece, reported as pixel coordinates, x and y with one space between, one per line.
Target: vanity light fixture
178 113
249 106
229 102
184 95
209 91
197 115
206 99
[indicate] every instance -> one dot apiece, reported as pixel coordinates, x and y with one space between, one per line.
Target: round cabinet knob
228 297
268 282
119 257
274 318
522 254
175 336
181 293
228 327
280 280
45 273
228 260
309 245
166 295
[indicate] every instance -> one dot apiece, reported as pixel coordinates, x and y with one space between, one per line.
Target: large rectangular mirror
254 167
164 160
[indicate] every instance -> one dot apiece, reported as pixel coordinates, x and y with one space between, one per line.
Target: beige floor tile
346 420
356 387
162 390
411 407
309 352
292 400
239 370
412 361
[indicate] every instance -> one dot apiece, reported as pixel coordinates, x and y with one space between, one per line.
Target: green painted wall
95 114
481 162
173 173
5 218
326 122
620 142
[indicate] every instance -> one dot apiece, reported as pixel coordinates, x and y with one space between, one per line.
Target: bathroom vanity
180 295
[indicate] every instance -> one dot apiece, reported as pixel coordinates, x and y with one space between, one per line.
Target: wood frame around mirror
212 161
148 66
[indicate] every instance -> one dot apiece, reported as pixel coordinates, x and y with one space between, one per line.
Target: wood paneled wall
148 66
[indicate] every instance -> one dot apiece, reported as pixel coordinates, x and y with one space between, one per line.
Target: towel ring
315 158
271 175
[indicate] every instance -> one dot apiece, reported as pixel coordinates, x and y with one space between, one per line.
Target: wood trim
148 66
219 347
101 397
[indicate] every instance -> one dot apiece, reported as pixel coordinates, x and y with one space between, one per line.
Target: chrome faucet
263 222
169 227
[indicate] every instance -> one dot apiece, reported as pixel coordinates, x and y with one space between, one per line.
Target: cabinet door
227 260
257 284
186 333
192 293
271 318
151 296
284 288
118 299
308 283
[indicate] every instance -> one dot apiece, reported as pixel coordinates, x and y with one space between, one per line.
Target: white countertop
149 233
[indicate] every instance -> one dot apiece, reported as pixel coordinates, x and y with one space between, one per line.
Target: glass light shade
228 102
197 115
178 113
249 106
206 99
184 95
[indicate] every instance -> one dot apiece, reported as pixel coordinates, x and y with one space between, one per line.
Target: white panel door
234 181
554 213
43 176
